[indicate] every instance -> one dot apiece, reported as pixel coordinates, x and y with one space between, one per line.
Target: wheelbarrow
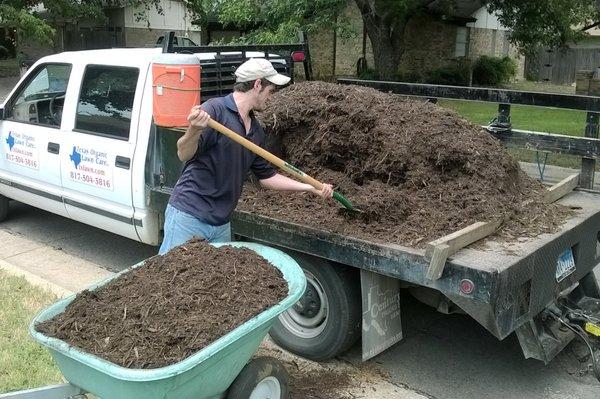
220 370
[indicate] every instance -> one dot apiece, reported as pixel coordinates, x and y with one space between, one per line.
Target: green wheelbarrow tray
206 374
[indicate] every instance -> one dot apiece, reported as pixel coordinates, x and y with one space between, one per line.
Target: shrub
453 75
369 74
409 76
493 71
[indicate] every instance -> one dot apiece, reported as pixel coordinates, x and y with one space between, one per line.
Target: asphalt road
441 356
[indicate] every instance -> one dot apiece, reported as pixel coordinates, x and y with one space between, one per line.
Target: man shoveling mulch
418 171
170 308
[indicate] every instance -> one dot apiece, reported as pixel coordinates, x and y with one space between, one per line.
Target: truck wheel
263 378
326 321
3 207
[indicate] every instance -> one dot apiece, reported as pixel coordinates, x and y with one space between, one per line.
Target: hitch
582 318
586 314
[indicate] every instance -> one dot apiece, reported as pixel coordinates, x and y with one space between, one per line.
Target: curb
34 279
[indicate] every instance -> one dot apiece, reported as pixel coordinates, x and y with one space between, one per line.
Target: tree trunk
387 40
387 54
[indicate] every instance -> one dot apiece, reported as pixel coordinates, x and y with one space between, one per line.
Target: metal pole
588 165
504 115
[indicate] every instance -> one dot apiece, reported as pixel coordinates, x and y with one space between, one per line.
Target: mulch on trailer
418 170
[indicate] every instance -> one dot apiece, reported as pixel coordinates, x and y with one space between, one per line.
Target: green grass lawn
549 120
23 363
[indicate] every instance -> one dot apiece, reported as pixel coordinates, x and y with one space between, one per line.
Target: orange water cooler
175 87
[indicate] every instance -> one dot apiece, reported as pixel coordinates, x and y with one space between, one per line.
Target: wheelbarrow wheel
262 378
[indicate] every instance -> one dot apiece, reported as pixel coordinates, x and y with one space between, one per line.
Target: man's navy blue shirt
211 182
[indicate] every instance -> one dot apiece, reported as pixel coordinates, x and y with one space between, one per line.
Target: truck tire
326 321
4 201
262 378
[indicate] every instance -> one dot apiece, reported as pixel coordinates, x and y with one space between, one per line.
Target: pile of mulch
170 308
418 171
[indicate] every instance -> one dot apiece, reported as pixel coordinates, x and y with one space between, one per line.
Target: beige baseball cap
258 68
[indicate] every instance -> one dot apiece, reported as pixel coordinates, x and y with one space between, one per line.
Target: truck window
106 100
41 100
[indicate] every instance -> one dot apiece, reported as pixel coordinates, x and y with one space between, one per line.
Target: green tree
547 23
22 15
534 23
273 21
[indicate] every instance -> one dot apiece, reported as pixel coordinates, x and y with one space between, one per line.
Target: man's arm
187 145
280 182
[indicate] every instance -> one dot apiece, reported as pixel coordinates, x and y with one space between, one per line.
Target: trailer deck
513 281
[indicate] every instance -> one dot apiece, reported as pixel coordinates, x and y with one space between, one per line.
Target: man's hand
198 119
325 192
187 145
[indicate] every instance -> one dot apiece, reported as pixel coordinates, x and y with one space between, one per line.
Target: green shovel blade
343 200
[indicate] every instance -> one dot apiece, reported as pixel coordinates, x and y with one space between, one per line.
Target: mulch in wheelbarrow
170 308
417 170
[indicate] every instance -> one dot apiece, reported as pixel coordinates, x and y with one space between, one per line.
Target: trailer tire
327 320
4 203
263 377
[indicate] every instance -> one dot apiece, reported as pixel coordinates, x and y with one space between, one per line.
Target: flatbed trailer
518 286
510 284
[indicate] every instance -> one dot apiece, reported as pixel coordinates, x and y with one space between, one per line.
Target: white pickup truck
77 132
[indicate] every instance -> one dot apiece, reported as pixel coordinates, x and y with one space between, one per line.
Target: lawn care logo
22 150
91 167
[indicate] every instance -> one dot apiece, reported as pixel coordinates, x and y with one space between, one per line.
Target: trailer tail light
298 56
466 286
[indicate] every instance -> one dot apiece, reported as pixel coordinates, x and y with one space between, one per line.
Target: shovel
280 163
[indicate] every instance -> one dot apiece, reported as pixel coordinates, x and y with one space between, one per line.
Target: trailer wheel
326 321
263 378
3 207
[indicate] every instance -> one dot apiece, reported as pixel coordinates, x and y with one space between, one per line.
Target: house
431 42
127 25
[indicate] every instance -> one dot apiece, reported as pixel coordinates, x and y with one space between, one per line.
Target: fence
560 66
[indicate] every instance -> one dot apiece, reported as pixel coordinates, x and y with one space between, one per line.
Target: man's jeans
181 226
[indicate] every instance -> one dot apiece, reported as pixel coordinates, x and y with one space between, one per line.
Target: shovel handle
275 160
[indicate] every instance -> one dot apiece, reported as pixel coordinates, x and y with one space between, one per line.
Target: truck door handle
122 162
53 148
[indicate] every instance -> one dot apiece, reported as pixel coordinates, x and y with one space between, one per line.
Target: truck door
99 145
30 139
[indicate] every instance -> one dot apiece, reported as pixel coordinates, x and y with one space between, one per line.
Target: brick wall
495 43
142 37
429 44
349 50
321 53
